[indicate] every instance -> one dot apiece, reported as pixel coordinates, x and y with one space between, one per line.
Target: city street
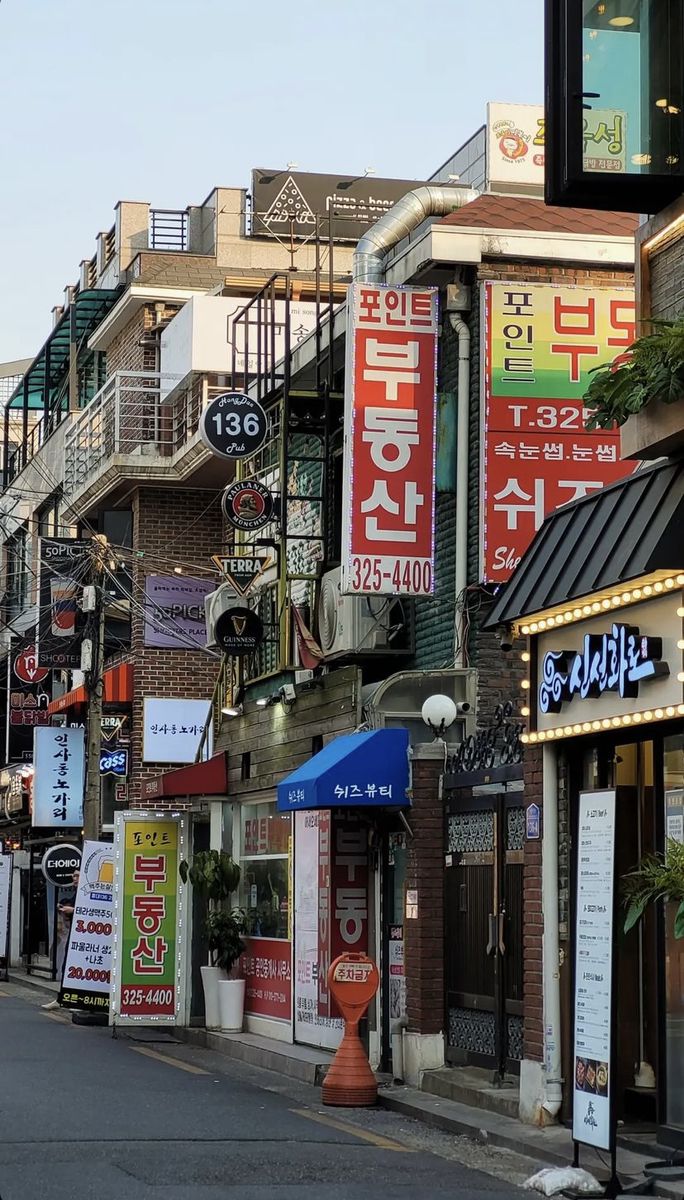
86 1116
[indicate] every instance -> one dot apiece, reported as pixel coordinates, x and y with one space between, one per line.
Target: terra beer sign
542 341
389 476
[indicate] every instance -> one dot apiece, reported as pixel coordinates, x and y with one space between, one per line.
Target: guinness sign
239 631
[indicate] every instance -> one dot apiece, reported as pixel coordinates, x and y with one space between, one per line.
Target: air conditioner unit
351 624
215 604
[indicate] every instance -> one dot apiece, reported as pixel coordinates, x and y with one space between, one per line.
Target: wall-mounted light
439 712
233 710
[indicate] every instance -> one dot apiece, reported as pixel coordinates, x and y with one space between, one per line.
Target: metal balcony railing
127 418
168 229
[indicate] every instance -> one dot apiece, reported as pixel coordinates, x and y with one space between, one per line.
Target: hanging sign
148 965
239 631
233 426
59 863
28 700
114 762
87 969
243 570
592 1117
63 571
248 505
59 777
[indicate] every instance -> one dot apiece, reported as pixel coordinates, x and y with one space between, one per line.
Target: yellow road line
170 1062
376 1139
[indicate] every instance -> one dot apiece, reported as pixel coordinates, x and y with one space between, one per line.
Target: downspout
553 1090
400 220
462 439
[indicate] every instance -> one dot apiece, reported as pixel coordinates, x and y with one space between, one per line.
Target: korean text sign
87 970
389 455
59 777
541 343
147 976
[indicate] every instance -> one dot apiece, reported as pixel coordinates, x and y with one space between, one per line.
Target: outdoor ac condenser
351 624
215 604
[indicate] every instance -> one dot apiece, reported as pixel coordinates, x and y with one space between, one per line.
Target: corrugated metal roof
624 531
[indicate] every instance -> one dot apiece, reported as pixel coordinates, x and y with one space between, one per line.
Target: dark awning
208 778
622 532
353 771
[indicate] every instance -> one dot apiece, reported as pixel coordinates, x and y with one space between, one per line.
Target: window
264 859
614 103
18 571
52 521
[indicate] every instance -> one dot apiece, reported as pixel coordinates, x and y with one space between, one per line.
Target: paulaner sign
615 661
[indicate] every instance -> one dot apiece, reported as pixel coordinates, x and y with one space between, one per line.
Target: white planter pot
211 977
231 1004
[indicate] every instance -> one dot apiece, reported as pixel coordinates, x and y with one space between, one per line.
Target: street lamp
439 712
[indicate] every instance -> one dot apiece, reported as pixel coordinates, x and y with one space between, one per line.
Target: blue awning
368 770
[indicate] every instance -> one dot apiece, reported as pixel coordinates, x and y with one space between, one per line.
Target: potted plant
658 877
224 934
640 392
214 876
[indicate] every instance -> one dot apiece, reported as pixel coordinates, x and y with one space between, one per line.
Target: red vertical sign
390 412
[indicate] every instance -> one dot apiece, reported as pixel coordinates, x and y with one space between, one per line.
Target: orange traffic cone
350 1083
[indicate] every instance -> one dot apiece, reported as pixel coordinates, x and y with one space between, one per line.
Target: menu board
591 1118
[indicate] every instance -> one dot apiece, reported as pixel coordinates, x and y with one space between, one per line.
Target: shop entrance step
473 1086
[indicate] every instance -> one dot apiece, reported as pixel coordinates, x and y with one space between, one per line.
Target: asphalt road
86 1117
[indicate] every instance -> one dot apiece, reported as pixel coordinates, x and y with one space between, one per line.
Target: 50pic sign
389 476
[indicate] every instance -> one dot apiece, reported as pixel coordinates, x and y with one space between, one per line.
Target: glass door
673 762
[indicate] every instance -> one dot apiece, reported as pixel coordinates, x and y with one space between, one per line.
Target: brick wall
533 919
186 526
125 353
667 279
424 937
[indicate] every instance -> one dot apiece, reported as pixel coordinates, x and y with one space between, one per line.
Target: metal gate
483 919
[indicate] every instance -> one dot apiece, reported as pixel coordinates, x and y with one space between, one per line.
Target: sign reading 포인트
389 447
87 970
593 1059
148 959
58 777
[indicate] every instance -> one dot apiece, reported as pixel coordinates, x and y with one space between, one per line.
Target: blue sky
161 100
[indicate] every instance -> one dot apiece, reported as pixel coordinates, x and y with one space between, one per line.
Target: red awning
208 778
118 689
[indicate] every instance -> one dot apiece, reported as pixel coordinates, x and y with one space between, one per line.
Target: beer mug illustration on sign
62 607
105 877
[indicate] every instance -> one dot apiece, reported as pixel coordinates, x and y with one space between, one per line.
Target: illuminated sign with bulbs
616 661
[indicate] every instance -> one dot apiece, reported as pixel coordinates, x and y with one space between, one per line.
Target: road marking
53 1016
376 1139
170 1062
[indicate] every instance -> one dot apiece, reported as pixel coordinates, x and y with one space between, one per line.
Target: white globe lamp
439 712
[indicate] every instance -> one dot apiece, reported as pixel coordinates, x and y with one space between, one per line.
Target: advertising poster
591 1117
87 973
313 852
286 203
148 958
541 343
63 574
389 446
174 611
516 138
397 976
266 968
5 904
58 777
28 688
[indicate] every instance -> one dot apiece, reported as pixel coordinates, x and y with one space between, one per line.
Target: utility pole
91 804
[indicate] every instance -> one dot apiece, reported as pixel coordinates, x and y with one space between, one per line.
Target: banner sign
148 960
6 861
594 1010
87 971
286 204
172 729
516 136
58 777
266 967
313 1023
174 611
541 343
28 700
389 447
63 573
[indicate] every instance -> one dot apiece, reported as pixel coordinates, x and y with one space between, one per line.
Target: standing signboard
312 928
58 777
63 572
389 447
593 1115
87 971
6 861
148 960
541 343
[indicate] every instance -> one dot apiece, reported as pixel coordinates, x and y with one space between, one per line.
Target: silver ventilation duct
404 216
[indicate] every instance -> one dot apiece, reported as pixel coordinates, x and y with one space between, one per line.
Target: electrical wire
166 624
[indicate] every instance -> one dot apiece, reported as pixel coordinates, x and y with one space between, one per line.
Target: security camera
506 637
463 708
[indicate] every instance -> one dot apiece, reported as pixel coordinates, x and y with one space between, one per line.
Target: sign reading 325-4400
233 425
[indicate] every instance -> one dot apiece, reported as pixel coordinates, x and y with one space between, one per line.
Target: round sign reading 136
233 425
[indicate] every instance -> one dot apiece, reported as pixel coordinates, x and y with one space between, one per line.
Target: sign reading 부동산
591 1117
87 971
147 967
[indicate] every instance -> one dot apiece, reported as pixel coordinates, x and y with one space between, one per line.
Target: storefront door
483 919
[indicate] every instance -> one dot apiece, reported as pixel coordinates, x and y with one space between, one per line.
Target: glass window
18 570
265 861
632 86
674 948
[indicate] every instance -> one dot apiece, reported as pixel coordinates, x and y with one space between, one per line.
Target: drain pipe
553 1089
462 438
430 200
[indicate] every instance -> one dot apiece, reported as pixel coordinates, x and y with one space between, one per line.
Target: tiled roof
517 212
